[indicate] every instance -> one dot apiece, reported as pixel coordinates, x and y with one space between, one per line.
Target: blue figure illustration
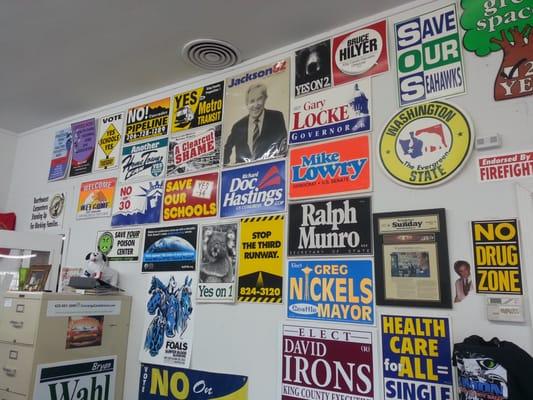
412 146
360 101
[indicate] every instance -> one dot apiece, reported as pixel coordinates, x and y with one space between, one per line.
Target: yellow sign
109 140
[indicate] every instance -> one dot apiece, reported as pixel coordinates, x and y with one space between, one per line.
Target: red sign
505 167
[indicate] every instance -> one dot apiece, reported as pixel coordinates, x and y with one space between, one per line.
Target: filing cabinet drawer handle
17 324
10 371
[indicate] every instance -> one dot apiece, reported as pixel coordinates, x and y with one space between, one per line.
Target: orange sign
96 198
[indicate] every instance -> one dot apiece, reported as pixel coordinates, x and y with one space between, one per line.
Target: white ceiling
64 57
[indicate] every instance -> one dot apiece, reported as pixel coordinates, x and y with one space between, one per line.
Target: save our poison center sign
416 358
497 256
261 259
332 167
426 144
119 244
331 290
96 198
428 56
190 197
333 227
110 131
326 363
147 121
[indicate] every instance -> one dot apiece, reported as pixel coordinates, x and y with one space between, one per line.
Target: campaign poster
338 227
119 244
197 107
190 197
92 375
256 114
144 160
218 263
360 53
171 248
312 69
195 151
159 382
429 57
169 314
331 290
320 362
147 121
416 357
48 211
332 113
110 132
261 259
138 203
330 168
61 155
496 248
96 198
505 167
83 147
257 189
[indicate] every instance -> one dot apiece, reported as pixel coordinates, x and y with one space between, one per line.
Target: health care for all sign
110 131
47 211
96 198
119 244
147 121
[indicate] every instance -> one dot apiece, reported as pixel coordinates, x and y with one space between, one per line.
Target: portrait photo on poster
464 284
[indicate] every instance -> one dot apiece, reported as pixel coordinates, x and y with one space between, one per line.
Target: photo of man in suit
260 135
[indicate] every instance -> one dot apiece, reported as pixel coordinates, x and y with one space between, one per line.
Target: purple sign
84 136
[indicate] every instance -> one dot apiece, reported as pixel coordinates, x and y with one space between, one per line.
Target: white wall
8 145
244 338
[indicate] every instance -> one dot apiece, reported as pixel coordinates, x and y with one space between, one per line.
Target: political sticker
172 248
198 107
497 256
83 146
110 131
329 168
416 357
361 53
505 167
336 112
502 26
190 197
145 160
333 227
257 189
138 203
147 121
158 382
96 198
261 259
48 211
429 57
331 290
426 144
313 68
119 244
61 155
195 151
326 363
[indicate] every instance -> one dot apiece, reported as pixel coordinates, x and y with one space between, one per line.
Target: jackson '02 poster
96 198
83 146
110 132
169 312
360 53
322 362
61 154
138 203
159 382
329 168
190 197
331 290
261 259
198 107
194 151
147 121
429 57
416 357
312 69
144 160
256 114
47 211
331 113
119 244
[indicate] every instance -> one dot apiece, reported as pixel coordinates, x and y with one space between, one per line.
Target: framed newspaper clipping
411 259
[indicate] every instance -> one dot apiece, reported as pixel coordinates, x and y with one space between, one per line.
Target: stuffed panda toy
96 267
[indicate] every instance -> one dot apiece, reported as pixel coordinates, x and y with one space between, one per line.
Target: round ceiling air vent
211 54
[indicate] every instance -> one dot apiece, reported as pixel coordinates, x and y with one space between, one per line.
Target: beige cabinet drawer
15 368
11 396
19 320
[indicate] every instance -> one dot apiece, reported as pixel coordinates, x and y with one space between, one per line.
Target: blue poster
61 154
331 290
171 248
416 357
258 189
138 203
158 382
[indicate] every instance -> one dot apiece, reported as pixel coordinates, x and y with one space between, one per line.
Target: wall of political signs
345 245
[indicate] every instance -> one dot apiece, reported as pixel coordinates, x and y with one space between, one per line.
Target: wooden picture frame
37 276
